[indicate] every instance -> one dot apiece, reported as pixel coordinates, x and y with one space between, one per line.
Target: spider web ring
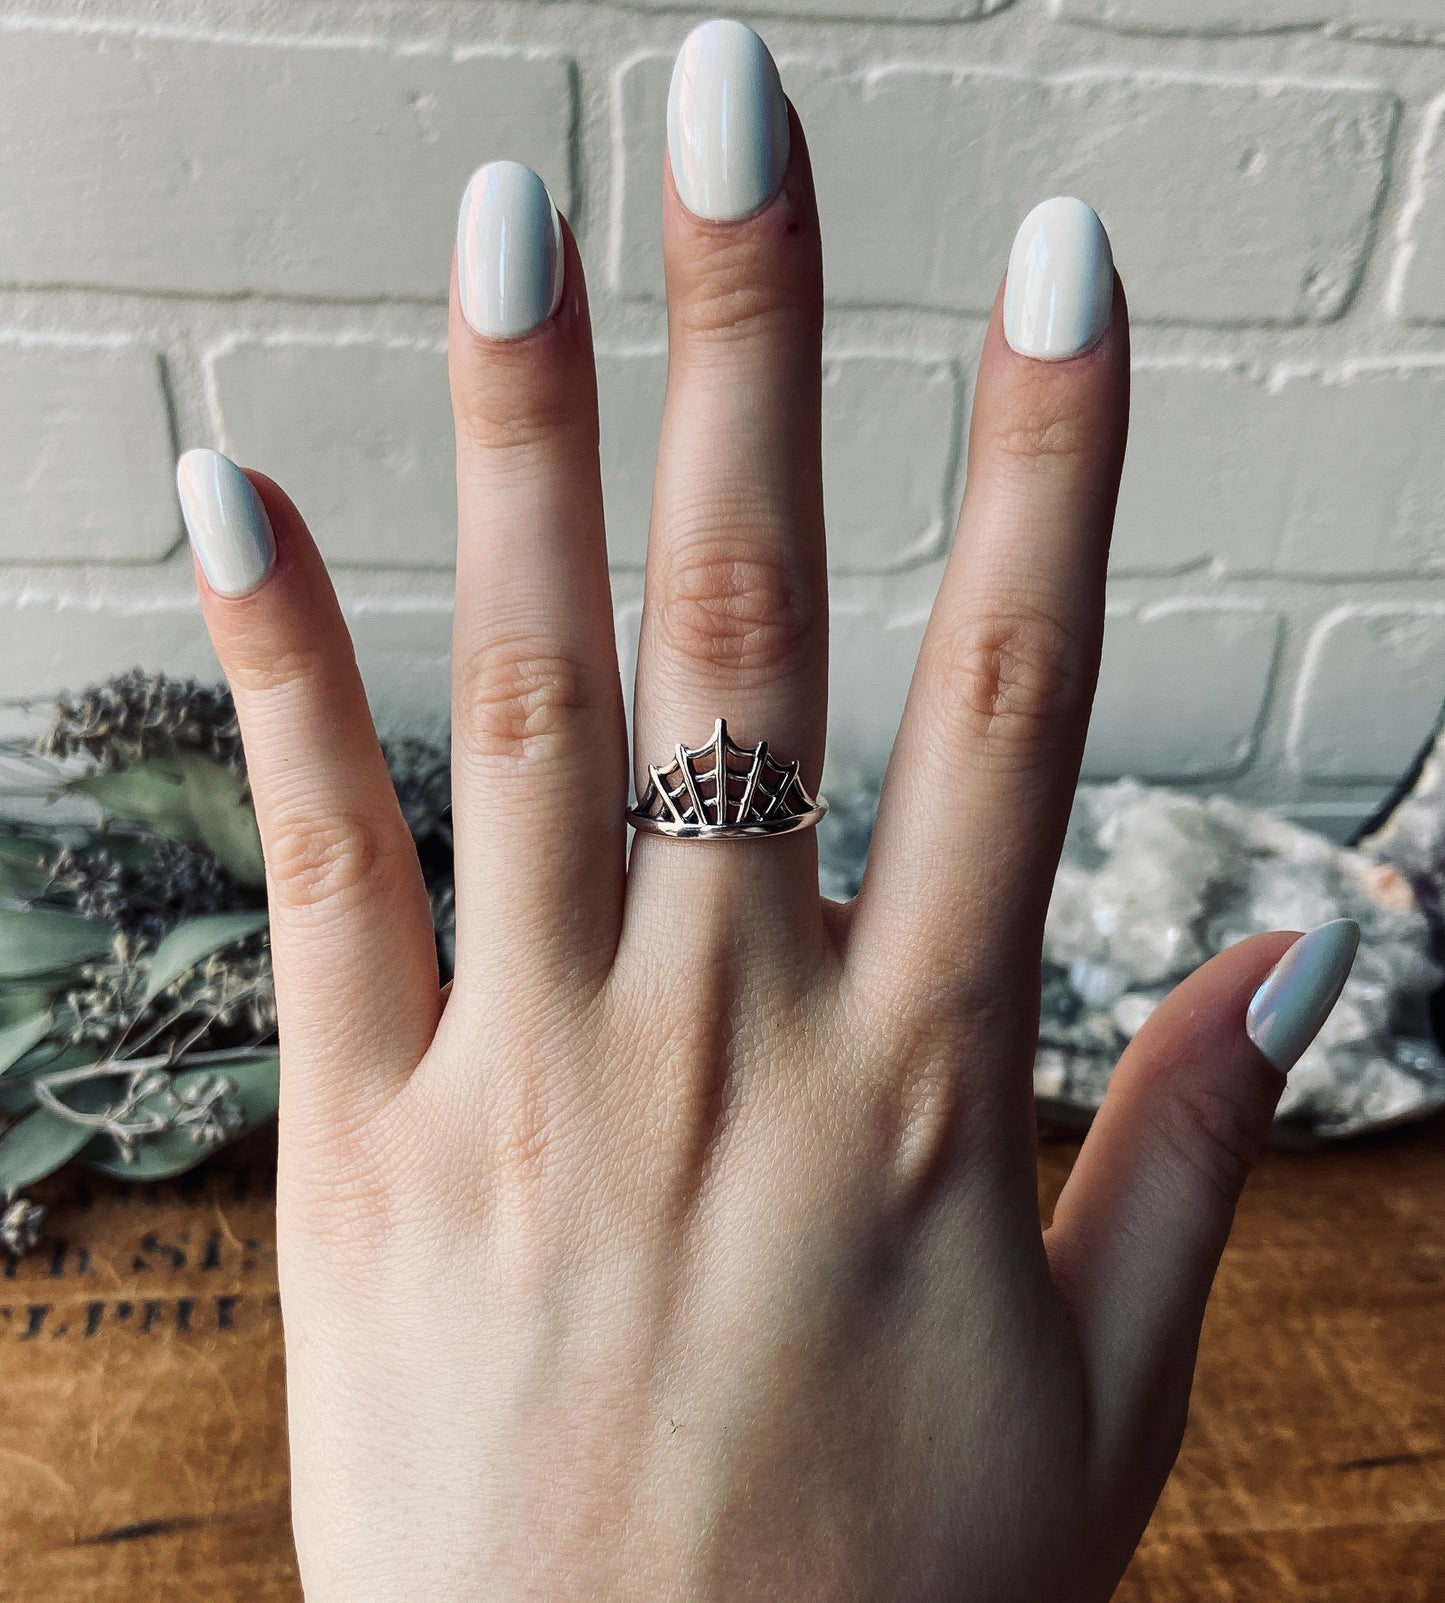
723 791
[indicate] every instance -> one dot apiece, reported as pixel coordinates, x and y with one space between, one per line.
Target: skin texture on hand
686 1247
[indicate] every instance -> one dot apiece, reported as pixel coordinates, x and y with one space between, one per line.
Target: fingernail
727 121
1295 1000
227 524
1060 285
509 251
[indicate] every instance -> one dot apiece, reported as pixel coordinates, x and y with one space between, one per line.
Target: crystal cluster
1152 882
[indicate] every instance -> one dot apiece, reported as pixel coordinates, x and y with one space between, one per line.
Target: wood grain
142 1401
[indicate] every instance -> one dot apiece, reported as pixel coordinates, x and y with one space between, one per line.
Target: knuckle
325 862
521 700
738 609
344 1190
930 1098
512 417
522 1139
1216 1134
1050 422
733 292
733 311
339 1196
1017 676
257 666
922 1110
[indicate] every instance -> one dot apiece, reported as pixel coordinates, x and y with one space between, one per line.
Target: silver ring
723 791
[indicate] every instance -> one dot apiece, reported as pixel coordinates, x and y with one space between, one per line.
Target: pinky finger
1144 1217
351 929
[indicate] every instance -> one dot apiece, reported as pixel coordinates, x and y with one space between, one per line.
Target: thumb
1142 1221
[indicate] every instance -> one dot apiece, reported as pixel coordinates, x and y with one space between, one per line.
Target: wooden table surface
142 1424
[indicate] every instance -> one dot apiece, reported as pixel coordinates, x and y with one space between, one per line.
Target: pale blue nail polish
509 251
727 121
227 524
1295 1000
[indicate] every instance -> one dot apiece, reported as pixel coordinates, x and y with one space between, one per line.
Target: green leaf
258 1085
17 1089
134 852
151 793
22 857
36 1146
17 1039
36 941
19 1001
193 942
191 797
225 820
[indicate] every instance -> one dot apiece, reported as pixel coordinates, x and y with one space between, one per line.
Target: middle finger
735 619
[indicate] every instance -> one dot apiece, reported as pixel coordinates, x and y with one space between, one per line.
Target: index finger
351 929
976 800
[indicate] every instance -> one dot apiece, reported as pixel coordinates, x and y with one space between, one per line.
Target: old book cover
142 1397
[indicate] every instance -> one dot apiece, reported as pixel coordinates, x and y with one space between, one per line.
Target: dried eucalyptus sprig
175 881
137 1010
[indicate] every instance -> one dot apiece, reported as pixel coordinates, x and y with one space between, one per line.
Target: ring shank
786 824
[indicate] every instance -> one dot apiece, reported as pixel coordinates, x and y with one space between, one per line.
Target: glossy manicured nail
227 524
727 121
509 251
1060 285
1296 998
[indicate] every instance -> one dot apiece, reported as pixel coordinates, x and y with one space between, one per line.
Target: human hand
687 1246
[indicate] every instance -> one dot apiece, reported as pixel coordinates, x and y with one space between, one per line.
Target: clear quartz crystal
1152 882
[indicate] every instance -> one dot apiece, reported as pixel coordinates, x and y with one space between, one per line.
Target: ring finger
735 619
977 795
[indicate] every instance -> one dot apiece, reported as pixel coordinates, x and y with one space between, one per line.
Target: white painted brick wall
1299 165
65 403
216 167
359 432
229 222
1389 19
1195 675
1350 725
1299 472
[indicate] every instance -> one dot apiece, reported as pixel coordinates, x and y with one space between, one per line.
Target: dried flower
136 715
178 882
162 760
20 1225
103 1002
443 898
209 1111
422 777
236 988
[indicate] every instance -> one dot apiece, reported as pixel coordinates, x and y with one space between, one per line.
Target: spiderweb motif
721 782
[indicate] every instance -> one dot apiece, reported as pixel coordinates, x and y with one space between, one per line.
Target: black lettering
172 1254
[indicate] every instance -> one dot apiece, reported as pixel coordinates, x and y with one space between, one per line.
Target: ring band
723 791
